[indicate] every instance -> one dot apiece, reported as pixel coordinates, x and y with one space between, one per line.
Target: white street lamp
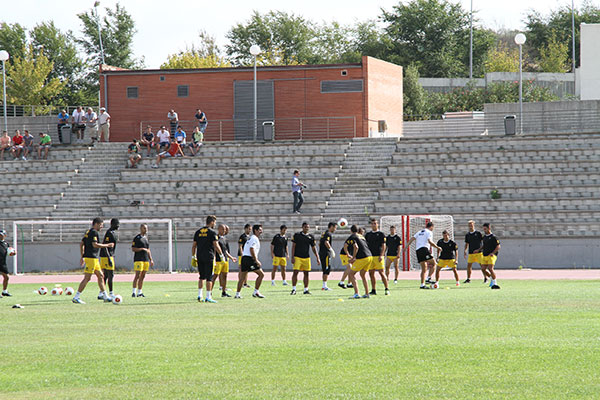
255 51
96 4
520 39
4 57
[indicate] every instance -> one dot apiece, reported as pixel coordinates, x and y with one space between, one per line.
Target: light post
255 51
4 57
573 42
520 39
471 45
96 4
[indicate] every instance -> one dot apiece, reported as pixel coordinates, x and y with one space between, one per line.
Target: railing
283 129
14 110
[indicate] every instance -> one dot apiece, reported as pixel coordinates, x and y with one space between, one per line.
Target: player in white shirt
424 257
251 263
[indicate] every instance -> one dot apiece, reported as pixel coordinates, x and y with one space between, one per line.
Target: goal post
408 225
69 231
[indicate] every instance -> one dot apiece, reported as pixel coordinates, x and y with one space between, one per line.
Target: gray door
243 107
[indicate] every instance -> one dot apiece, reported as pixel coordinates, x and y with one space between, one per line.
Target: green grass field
530 340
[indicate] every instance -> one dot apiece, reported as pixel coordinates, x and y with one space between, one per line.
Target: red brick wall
384 95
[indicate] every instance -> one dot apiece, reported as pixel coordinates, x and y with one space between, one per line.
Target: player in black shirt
89 247
142 259
360 259
279 254
447 257
3 266
376 241
326 252
107 259
302 243
205 246
393 243
473 240
241 242
222 262
489 250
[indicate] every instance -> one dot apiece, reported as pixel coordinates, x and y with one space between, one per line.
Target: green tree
554 57
370 40
13 38
502 59
414 96
333 43
192 59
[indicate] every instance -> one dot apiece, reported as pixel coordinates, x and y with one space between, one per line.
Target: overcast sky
165 27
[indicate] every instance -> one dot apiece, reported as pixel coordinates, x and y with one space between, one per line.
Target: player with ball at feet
424 257
5 250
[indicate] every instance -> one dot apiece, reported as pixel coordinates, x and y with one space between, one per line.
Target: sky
166 27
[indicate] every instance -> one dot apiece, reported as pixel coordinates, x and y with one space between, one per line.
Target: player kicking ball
473 241
360 260
489 250
107 256
376 241
89 248
222 264
302 242
393 243
205 246
326 252
446 257
279 254
251 263
142 260
424 257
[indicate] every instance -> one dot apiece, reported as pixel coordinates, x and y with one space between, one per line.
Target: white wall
589 71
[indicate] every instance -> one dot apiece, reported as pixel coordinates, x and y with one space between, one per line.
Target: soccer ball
343 222
42 291
56 291
69 291
11 251
118 299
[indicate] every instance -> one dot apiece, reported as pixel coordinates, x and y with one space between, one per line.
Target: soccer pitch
530 340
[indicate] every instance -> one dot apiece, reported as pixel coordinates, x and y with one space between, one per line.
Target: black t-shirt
490 242
474 240
242 241
3 252
448 249
363 247
200 116
375 240
204 238
393 242
149 136
224 244
280 244
325 238
141 242
90 237
109 237
303 244
133 147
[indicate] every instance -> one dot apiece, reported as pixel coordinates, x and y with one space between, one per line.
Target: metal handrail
30 110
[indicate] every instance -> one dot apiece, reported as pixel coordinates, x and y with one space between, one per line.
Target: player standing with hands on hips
142 259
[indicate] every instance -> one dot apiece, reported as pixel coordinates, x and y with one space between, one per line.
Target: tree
554 57
333 44
193 59
414 96
502 59
13 39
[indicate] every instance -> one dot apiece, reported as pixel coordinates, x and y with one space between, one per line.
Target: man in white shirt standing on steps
77 121
297 191
104 124
91 123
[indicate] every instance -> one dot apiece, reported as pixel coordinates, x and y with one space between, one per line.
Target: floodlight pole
471 45
521 89
96 4
573 43
4 92
255 103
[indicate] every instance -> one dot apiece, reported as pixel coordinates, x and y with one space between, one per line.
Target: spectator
104 121
180 137
297 187
27 144
173 120
17 148
5 143
63 119
91 123
134 153
174 151
197 139
45 144
164 138
202 121
77 120
148 140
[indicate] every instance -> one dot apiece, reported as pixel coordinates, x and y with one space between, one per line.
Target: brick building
303 102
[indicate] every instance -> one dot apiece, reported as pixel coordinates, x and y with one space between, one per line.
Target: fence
13 110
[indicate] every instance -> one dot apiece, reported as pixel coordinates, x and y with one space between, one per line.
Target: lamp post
255 51
4 57
96 4
520 39
471 45
573 42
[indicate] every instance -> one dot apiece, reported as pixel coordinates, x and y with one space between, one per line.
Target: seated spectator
63 119
5 144
163 136
148 140
174 151
45 144
17 147
202 121
134 153
180 137
197 139
27 144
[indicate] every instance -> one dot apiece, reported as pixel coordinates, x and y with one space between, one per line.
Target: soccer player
473 240
393 243
142 259
206 244
376 241
241 243
89 248
489 250
107 259
279 254
251 263
3 267
446 257
222 264
359 260
424 257
344 260
302 242
326 252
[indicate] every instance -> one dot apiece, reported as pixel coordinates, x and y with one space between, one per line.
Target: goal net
47 245
408 225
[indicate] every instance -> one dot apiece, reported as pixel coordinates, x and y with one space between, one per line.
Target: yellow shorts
141 265
446 263
301 264
344 259
279 262
489 260
221 266
475 258
376 264
105 265
392 258
91 265
362 264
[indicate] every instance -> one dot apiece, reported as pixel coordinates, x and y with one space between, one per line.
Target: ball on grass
69 291
42 291
118 299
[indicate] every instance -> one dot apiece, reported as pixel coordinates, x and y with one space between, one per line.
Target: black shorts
248 264
205 268
325 263
4 269
423 254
